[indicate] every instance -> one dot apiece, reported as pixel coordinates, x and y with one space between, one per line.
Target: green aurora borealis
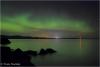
69 27
20 23
33 18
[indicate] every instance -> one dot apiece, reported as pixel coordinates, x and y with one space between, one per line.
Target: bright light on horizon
57 37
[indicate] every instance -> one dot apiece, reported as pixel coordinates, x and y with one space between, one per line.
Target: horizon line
53 38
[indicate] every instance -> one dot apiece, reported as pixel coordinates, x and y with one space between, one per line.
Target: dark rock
5 54
18 53
49 50
17 56
33 53
42 52
4 40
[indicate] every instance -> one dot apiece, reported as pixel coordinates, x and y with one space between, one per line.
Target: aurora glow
42 19
73 27
20 23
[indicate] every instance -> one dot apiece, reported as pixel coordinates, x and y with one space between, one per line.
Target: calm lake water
68 53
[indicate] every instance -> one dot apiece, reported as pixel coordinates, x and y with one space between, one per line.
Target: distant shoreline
52 38
27 37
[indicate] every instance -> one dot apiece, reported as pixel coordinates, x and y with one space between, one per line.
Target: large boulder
4 40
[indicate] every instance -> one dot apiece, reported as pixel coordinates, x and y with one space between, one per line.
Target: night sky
50 19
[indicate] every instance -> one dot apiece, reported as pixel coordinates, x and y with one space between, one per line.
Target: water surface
68 53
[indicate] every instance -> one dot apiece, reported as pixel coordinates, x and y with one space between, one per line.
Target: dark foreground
10 57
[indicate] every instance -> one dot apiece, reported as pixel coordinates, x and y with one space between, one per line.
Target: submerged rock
47 51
